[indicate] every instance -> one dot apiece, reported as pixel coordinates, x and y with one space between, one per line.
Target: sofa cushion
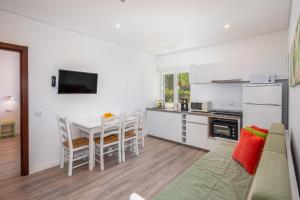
276 143
260 129
215 176
277 129
271 181
248 150
257 133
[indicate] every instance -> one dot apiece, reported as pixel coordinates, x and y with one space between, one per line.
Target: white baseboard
43 167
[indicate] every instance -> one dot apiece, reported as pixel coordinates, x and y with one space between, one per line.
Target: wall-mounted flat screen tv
72 82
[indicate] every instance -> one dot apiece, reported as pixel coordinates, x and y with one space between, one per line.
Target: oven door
221 130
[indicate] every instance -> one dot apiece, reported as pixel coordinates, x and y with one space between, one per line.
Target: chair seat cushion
107 139
129 134
78 142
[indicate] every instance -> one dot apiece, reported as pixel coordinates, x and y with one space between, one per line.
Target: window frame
176 86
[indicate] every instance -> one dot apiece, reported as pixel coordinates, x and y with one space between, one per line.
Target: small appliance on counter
201 106
160 104
184 104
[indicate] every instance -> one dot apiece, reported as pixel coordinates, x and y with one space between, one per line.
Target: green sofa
217 176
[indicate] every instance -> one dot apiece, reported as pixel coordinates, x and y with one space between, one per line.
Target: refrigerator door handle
258 104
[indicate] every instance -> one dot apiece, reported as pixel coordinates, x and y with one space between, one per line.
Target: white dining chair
142 126
71 149
109 141
129 134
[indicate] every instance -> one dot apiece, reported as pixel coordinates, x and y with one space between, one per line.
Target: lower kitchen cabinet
196 135
166 125
197 131
169 126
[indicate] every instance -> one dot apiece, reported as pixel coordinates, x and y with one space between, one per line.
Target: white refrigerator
262 104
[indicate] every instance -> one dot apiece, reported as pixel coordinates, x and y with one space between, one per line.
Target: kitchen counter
179 111
208 114
166 110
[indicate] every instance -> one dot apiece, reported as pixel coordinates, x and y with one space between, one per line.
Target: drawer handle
196 123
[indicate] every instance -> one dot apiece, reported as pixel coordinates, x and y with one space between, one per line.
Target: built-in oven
225 128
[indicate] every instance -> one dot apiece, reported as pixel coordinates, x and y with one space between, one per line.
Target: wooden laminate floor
159 163
9 158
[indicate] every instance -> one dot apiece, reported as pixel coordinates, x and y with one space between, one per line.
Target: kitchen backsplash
223 96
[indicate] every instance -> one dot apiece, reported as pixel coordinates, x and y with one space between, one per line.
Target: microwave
204 106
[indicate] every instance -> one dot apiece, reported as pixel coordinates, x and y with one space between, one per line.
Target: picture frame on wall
294 58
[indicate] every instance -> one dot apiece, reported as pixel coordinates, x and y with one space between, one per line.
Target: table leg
91 151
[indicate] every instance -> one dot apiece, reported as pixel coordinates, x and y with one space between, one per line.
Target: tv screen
72 82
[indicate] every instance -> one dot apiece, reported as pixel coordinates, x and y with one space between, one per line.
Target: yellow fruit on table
108 115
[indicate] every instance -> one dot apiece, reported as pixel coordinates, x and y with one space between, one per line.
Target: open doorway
13 111
9 114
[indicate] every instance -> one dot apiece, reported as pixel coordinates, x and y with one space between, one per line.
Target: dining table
91 126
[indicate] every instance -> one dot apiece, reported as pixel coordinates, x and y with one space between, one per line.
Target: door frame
23 50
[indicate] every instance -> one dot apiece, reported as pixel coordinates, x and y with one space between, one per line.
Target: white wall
223 96
264 51
10 86
268 46
127 79
295 92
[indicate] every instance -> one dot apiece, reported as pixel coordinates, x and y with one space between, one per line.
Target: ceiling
159 26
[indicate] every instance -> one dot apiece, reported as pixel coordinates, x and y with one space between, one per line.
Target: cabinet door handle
195 123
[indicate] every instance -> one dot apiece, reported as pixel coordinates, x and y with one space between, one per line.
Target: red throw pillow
248 151
260 129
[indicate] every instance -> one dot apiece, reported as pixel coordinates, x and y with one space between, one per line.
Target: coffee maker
184 104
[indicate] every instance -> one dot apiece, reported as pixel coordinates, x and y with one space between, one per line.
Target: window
169 88
183 86
175 87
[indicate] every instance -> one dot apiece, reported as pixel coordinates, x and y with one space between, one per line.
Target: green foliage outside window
169 88
184 86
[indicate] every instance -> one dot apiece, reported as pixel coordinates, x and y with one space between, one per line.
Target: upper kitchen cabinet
277 66
209 73
235 71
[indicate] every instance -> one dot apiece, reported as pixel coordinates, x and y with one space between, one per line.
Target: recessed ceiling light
118 26
227 26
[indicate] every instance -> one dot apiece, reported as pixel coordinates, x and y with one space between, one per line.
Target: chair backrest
142 118
130 123
64 131
110 126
